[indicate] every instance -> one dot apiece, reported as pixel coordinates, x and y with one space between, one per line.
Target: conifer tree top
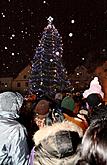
50 20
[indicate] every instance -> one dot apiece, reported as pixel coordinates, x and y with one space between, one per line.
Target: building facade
19 84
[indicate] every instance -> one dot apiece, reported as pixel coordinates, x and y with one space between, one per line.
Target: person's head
45 116
95 87
68 103
94 144
41 111
94 100
10 102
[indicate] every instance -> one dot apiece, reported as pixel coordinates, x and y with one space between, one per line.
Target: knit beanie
68 103
42 107
95 87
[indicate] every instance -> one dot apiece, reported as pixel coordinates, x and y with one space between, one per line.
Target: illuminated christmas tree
48 74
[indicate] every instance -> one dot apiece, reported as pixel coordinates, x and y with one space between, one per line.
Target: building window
18 84
2 84
24 76
26 84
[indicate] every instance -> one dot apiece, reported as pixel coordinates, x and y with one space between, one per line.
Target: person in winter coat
13 142
93 150
57 139
97 106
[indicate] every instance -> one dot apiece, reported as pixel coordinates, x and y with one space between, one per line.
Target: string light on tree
41 83
57 53
51 60
50 20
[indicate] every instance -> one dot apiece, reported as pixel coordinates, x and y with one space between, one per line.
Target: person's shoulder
17 128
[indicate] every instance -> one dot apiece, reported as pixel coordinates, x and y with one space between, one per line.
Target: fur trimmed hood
47 131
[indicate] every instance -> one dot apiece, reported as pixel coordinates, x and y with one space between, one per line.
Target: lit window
6 85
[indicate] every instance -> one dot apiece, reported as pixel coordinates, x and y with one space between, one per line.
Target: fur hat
42 107
95 87
10 101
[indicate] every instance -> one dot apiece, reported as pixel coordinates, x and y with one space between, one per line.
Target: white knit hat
95 87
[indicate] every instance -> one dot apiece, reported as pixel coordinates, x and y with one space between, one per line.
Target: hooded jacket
13 144
54 145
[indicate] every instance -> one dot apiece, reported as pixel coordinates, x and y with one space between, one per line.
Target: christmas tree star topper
50 19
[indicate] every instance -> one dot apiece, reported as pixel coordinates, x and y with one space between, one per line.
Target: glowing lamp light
104 50
5 85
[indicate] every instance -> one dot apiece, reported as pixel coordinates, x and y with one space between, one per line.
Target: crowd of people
68 129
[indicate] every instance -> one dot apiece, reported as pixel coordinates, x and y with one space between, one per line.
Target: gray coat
13 143
54 146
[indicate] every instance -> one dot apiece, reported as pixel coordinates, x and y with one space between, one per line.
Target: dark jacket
99 112
57 144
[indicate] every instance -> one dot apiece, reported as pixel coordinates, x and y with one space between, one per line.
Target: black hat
94 99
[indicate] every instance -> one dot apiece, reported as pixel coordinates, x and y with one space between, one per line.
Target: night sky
81 23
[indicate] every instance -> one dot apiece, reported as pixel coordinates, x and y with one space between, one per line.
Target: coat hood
47 131
57 144
10 103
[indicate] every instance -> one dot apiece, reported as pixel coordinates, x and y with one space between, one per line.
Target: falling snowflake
70 34
12 54
72 21
13 35
5 47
